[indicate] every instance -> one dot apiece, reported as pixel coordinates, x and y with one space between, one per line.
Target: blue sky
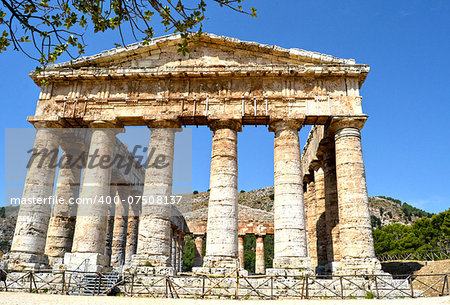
407 43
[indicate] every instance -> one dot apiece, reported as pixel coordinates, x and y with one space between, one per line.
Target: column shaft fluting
180 252
90 228
357 248
154 226
310 210
173 252
62 223
319 186
30 234
109 230
241 250
290 246
259 255
222 226
132 231
331 206
120 228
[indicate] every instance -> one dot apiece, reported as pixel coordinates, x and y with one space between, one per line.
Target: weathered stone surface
241 251
260 267
332 224
110 228
154 226
32 222
222 238
198 254
62 223
120 228
173 248
180 244
90 229
319 186
86 262
129 84
311 222
357 249
290 245
224 83
132 231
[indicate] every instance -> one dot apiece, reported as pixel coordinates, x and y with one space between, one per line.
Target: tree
188 252
45 29
424 234
2 212
249 252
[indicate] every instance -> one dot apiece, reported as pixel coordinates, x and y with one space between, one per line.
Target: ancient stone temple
320 216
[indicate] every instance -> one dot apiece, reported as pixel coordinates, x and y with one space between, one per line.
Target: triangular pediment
210 51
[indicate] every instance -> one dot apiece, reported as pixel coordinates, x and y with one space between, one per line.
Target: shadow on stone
401 269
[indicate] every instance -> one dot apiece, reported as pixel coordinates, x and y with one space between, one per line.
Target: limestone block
88 262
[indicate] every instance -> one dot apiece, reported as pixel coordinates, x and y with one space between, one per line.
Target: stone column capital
47 124
326 145
228 123
164 123
71 142
339 122
105 124
279 125
347 132
316 164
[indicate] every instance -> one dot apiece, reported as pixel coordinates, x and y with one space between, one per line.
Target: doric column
89 241
331 206
132 231
290 247
222 226
154 225
241 250
120 227
357 248
173 243
180 252
319 185
310 211
62 223
28 245
259 255
198 254
110 228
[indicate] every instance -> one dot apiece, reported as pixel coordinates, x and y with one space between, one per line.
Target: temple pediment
211 54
